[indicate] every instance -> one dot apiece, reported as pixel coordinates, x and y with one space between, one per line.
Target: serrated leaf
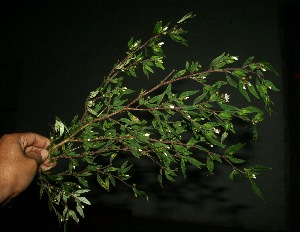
130 42
256 189
216 60
73 215
80 210
84 200
194 161
187 94
231 81
235 160
248 61
178 39
186 17
179 73
80 191
234 148
269 67
234 174
252 91
183 167
243 91
157 28
270 85
210 164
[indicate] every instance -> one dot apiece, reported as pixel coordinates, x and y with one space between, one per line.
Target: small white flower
203 77
172 106
165 154
147 134
253 176
73 167
263 69
140 150
244 87
186 98
88 140
234 58
226 97
217 131
249 84
124 88
211 145
160 44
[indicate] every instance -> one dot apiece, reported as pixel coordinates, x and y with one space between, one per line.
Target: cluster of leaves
169 128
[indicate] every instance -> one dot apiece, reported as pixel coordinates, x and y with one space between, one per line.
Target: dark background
53 53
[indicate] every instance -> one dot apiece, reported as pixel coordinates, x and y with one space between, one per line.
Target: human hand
21 154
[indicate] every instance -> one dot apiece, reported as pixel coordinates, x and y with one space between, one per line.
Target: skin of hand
21 155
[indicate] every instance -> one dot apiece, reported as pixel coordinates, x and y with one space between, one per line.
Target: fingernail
47 168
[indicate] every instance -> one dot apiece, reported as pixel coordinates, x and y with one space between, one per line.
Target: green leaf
83 181
159 178
256 190
242 88
80 191
235 160
258 168
130 42
187 94
270 85
252 90
210 164
80 210
133 118
186 17
73 215
234 148
213 141
217 60
224 136
157 99
183 167
269 67
231 81
248 61
228 107
178 39
234 174
216 157
139 193
103 184
179 73
84 200
194 161
157 28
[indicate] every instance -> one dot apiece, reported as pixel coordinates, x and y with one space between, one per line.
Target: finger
47 165
36 156
32 139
